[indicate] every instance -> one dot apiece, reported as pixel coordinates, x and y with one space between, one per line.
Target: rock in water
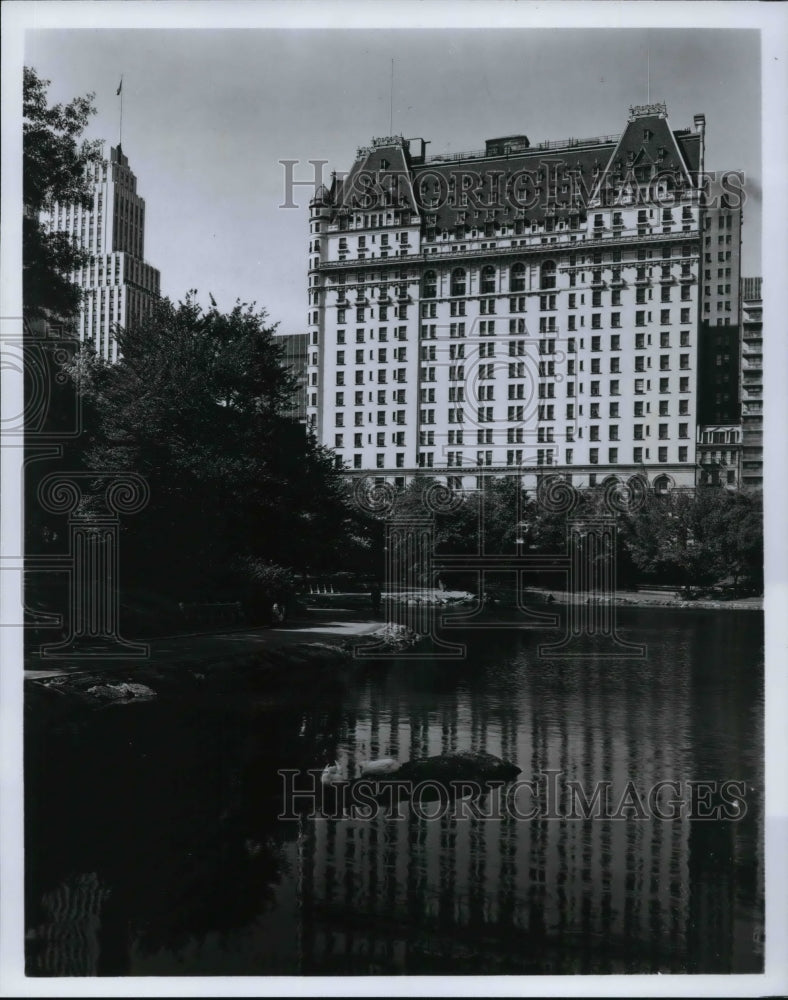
466 765
120 693
374 768
442 777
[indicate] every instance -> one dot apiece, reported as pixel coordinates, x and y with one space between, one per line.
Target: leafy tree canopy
197 405
54 162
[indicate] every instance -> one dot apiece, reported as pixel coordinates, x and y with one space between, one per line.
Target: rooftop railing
547 144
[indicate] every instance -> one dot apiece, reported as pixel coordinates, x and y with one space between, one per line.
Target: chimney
699 121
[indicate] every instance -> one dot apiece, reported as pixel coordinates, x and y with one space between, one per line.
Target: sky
208 115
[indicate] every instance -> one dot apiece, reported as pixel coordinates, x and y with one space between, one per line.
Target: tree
698 537
196 405
54 164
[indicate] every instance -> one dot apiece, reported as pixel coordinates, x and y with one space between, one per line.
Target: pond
154 845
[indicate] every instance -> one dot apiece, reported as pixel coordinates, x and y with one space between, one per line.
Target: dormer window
647 134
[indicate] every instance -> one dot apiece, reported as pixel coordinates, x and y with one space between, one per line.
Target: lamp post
523 536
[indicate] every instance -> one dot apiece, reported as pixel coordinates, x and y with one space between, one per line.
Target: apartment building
119 286
719 395
294 354
523 309
752 383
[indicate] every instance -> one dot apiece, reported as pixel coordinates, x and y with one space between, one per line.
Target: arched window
488 280
458 281
662 485
429 285
517 278
548 274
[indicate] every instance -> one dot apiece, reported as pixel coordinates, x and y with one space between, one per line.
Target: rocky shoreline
264 670
541 597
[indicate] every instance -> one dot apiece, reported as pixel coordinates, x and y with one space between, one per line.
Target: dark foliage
196 405
54 162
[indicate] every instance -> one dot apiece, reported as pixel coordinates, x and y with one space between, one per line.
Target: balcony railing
543 249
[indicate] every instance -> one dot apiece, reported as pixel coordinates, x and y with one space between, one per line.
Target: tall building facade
294 358
118 285
719 395
752 383
528 309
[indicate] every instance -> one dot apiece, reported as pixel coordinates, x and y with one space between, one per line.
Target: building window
548 274
517 278
429 287
458 281
488 280
662 455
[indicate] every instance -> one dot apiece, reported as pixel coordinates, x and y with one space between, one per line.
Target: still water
154 848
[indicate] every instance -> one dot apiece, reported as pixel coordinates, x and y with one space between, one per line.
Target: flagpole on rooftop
119 93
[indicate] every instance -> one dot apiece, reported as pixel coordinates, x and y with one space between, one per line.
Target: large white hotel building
521 309
118 285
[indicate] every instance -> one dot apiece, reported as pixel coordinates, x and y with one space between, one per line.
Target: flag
120 86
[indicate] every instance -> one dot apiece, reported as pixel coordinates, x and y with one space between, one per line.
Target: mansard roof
387 159
648 141
556 179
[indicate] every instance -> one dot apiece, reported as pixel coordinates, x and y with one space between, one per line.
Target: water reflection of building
67 942
523 896
726 859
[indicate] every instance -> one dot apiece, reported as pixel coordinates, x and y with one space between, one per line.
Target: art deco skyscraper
118 285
